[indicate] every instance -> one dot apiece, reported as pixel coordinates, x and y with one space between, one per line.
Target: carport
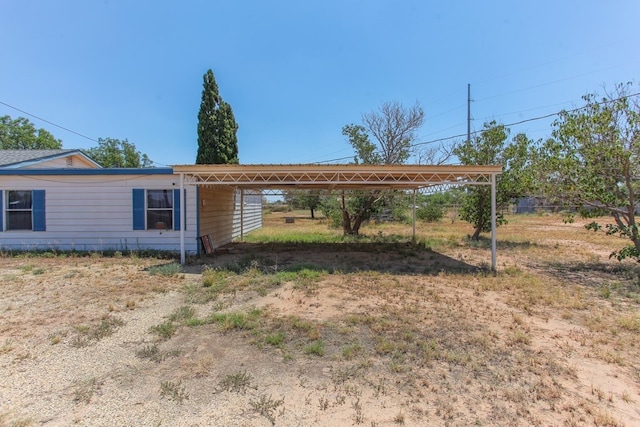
339 177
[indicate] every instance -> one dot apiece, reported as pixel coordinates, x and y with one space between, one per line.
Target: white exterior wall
95 212
220 213
252 213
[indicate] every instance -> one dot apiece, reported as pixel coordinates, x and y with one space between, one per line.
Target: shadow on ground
623 276
394 258
502 244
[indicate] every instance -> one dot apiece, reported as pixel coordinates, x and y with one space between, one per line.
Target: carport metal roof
335 177
339 177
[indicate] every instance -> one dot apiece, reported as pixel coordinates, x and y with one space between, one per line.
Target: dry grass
373 331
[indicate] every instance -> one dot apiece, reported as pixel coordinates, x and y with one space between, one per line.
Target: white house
61 199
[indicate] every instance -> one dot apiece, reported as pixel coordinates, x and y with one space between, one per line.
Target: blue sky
295 72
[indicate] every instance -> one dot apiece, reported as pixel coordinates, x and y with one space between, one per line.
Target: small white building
63 200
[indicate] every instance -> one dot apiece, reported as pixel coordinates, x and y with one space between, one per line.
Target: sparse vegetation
164 330
7 346
84 390
371 331
316 348
267 407
174 391
87 334
167 270
236 383
152 352
183 314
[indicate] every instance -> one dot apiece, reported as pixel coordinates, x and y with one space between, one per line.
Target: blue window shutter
1 209
38 212
138 209
176 208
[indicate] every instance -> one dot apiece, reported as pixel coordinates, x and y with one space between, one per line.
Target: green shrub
316 348
430 213
167 270
164 330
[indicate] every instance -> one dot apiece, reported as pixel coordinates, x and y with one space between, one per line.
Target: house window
23 210
159 209
19 210
156 209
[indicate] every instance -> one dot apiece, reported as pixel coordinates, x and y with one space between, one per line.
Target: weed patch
236 383
152 352
85 390
183 314
630 322
267 407
236 320
173 391
276 339
316 348
164 330
167 270
87 334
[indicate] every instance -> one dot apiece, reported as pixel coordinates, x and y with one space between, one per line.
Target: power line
329 161
51 123
501 77
542 84
527 110
532 119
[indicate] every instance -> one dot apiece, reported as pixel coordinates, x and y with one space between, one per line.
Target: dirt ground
372 333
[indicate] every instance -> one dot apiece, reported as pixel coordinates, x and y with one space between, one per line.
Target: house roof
22 158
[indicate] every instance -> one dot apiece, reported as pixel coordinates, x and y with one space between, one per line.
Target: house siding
220 214
73 161
95 212
252 213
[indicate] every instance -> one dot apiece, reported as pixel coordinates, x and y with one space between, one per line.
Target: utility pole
468 112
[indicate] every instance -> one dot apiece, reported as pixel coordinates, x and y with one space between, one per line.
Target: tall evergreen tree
217 127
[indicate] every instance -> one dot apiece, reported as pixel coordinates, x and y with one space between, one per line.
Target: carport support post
414 215
493 223
242 214
182 219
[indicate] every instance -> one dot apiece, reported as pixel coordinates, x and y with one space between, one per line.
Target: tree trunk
312 216
358 219
476 234
346 223
346 220
356 225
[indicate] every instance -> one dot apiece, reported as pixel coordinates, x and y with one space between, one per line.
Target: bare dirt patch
375 334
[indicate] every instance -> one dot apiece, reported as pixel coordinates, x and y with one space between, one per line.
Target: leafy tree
114 153
433 207
217 127
491 148
304 199
593 162
393 128
21 134
431 212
